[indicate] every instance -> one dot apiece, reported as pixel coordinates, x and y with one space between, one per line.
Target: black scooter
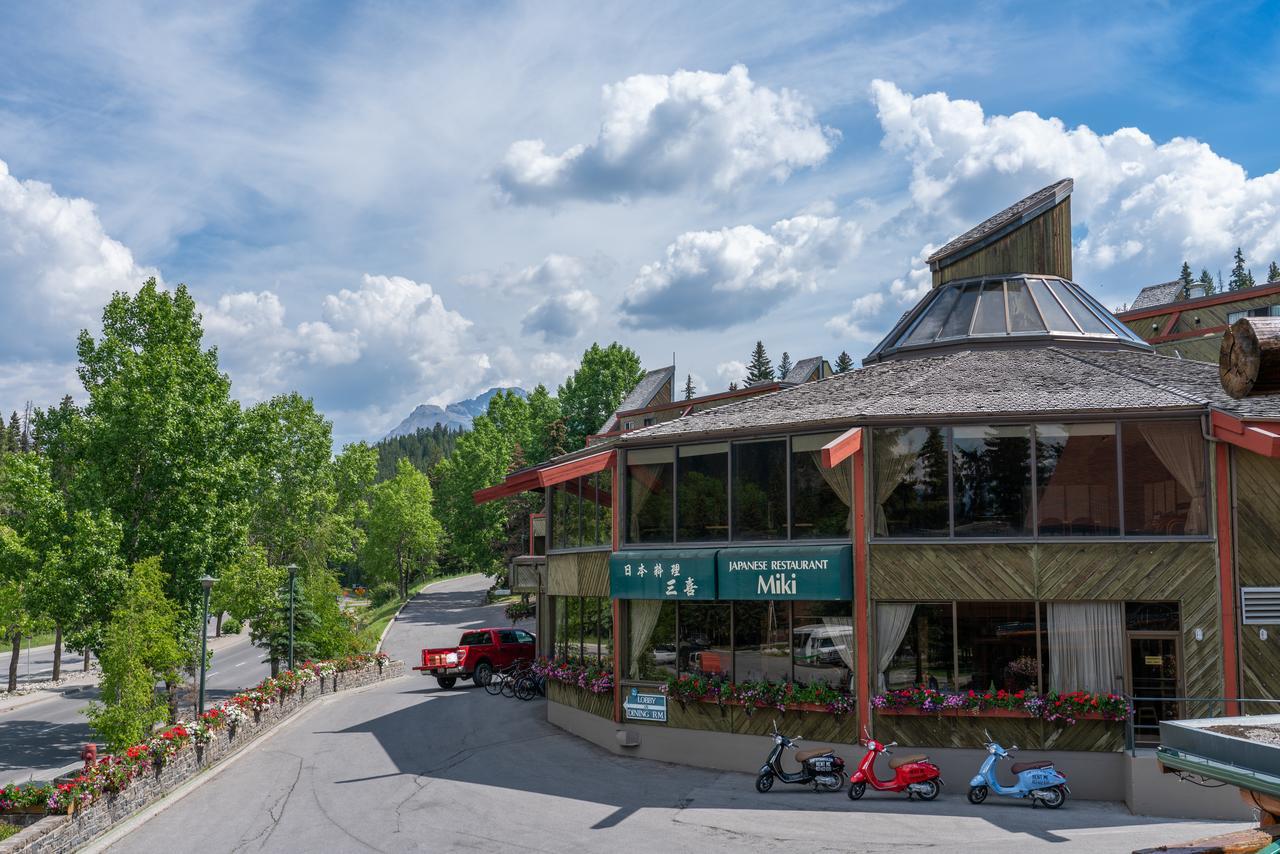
820 768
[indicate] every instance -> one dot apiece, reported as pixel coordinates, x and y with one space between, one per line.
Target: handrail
1130 738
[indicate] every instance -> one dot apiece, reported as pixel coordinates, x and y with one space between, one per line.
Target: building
1015 493
1190 324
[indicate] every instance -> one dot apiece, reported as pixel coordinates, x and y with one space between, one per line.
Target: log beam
1249 358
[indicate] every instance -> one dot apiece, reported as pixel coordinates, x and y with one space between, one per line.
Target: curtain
840 479
648 476
1086 646
1180 448
892 622
643 619
843 627
891 470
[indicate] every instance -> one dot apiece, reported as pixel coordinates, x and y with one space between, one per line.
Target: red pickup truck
477 655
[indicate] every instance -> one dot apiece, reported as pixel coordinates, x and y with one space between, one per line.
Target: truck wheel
446 682
484 672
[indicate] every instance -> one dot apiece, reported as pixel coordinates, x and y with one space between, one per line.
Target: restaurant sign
786 572
676 574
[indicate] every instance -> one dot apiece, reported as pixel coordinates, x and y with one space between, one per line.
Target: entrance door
1153 680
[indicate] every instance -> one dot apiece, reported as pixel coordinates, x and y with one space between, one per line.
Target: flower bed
113 773
586 675
1052 707
752 695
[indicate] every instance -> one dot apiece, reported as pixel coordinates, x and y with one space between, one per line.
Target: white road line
242 664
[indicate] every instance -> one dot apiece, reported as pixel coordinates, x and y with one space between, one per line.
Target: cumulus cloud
58 268
713 279
661 133
731 371
554 272
1142 206
562 316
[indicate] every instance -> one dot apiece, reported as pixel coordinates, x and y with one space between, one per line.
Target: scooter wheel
931 790
977 794
1054 797
857 790
764 783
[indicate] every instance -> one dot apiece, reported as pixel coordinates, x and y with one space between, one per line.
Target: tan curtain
1180 448
840 478
844 644
892 622
1086 646
889 471
642 618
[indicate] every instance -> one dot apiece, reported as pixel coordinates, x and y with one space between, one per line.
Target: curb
46 694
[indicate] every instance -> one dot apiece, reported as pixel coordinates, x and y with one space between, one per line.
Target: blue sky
386 204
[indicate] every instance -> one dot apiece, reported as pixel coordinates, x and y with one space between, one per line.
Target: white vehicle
820 644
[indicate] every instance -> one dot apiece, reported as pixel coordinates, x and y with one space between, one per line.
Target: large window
584 628
582 512
760 490
649 496
910 479
992 467
1164 474
916 645
703 493
779 641
959 646
1076 480
820 497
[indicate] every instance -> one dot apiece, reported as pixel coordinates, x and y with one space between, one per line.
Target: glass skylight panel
1023 316
1055 317
934 316
957 322
1088 321
990 318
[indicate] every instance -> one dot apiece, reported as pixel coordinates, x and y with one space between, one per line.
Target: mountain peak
455 416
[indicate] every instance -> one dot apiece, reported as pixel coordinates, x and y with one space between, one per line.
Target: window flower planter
981 713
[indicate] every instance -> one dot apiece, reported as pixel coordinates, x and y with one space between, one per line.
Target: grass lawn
7 830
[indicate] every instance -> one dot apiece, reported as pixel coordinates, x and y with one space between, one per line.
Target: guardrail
1131 726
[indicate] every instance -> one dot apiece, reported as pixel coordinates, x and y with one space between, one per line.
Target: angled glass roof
1005 311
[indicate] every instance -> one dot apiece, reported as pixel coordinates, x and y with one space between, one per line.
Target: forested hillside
423 449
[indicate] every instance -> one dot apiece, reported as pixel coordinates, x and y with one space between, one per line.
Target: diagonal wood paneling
918 572
1258 565
578 574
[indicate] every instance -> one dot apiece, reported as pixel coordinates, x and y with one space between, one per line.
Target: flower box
980 713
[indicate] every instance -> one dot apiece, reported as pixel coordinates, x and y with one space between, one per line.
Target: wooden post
1249 358
1226 580
861 593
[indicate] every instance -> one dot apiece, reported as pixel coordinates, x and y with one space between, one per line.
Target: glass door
1153 681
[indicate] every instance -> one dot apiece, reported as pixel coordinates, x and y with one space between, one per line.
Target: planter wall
965 730
813 724
54 834
600 705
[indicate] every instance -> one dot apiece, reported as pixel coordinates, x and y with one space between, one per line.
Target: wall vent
1260 605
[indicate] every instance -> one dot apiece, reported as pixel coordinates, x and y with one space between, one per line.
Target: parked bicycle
516 680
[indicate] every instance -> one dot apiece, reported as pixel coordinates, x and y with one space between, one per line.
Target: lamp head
207 582
293 569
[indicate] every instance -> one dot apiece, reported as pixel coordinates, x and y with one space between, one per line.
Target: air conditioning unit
1260 606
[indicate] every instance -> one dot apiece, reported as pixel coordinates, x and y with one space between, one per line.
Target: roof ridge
1171 390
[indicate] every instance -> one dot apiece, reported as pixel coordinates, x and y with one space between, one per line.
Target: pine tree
760 369
1185 278
1206 282
1273 272
784 367
1241 277
844 362
733 386
15 432
688 387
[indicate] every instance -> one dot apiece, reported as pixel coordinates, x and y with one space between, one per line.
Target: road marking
214 673
242 664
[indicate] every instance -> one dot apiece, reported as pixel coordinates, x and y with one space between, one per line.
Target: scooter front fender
858 776
978 780
766 768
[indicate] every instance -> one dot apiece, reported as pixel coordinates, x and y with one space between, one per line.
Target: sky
385 204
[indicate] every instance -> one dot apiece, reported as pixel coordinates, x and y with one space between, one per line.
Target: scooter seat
899 761
806 755
1019 767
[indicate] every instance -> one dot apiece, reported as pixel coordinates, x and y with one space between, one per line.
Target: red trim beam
1260 437
540 478
841 448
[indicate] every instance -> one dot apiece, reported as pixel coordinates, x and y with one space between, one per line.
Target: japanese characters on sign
688 574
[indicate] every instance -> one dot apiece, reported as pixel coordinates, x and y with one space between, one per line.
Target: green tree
688 387
1273 272
784 367
1185 278
759 369
14 433
1241 277
544 410
844 362
141 649
17 618
1206 281
248 589
355 472
160 440
403 532
596 388
733 386
479 460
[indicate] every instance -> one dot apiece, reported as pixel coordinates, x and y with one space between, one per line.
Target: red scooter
915 774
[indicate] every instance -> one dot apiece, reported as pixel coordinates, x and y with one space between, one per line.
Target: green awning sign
675 574
785 572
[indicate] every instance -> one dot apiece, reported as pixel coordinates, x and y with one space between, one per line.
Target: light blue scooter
1038 780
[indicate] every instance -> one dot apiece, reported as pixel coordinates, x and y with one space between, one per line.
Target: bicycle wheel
509 686
494 683
525 688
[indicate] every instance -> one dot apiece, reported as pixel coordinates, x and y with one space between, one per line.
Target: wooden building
1015 496
1190 325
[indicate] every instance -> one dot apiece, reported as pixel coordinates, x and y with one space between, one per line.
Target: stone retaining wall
58 833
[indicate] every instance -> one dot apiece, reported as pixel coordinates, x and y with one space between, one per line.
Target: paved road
403 766
40 738
36 664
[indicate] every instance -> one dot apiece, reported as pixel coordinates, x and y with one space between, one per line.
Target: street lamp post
207 583
293 574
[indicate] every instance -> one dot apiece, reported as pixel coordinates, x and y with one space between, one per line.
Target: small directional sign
645 707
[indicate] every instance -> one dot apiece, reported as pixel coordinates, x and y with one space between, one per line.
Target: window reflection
760 490
761 641
651 643
992 470
1076 480
910 472
996 646
914 643
820 497
822 643
703 492
705 648
649 496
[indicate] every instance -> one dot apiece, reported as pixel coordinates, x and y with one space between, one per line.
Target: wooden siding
600 705
1257 490
1192 319
578 574
1043 245
1202 349
1186 572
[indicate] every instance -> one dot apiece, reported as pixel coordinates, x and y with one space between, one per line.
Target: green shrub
232 626
383 593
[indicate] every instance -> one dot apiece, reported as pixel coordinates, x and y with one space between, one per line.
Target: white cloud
661 133
562 316
714 279
58 268
554 272
1143 206
731 371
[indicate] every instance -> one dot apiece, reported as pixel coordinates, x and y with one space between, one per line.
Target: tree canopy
594 391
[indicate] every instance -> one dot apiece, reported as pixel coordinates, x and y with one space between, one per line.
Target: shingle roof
642 395
801 369
1032 382
1153 295
1002 223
